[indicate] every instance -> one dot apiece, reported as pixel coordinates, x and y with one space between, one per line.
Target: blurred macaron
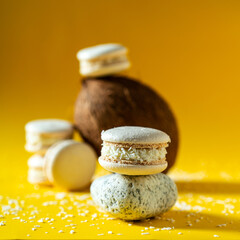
70 164
42 133
103 60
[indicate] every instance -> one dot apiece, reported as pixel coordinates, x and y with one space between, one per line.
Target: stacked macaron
109 98
58 160
40 135
138 189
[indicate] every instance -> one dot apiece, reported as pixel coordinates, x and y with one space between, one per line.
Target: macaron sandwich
42 133
134 150
102 59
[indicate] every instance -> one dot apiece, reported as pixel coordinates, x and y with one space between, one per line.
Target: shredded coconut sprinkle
151 154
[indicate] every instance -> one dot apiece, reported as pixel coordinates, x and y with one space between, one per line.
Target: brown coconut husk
114 101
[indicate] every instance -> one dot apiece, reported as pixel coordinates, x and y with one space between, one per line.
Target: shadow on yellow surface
188 220
208 187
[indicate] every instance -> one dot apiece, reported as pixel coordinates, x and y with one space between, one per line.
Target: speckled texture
134 197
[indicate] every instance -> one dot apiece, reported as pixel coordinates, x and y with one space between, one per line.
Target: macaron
103 60
134 150
41 134
70 164
134 197
36 174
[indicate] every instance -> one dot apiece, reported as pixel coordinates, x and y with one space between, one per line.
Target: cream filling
87 65
133 154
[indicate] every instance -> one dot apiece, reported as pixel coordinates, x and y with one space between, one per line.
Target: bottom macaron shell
102 70
134 197
129 169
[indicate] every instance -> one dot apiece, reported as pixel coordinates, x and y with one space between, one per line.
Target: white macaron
134 150
104 59
70 164
41 134
36 174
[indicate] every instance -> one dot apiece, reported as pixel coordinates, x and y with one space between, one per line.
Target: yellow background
188 51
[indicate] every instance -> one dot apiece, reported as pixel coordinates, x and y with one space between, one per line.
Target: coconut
114 101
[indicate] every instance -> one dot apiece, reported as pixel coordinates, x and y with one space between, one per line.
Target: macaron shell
70 164
128 169
42 133
100 50
48 126
129 134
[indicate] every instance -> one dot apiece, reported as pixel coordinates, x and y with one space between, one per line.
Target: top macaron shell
101 50
142 135
48 126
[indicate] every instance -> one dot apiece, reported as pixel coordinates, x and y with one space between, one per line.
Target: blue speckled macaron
134 197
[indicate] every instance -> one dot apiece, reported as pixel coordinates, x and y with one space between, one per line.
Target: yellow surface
187 50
